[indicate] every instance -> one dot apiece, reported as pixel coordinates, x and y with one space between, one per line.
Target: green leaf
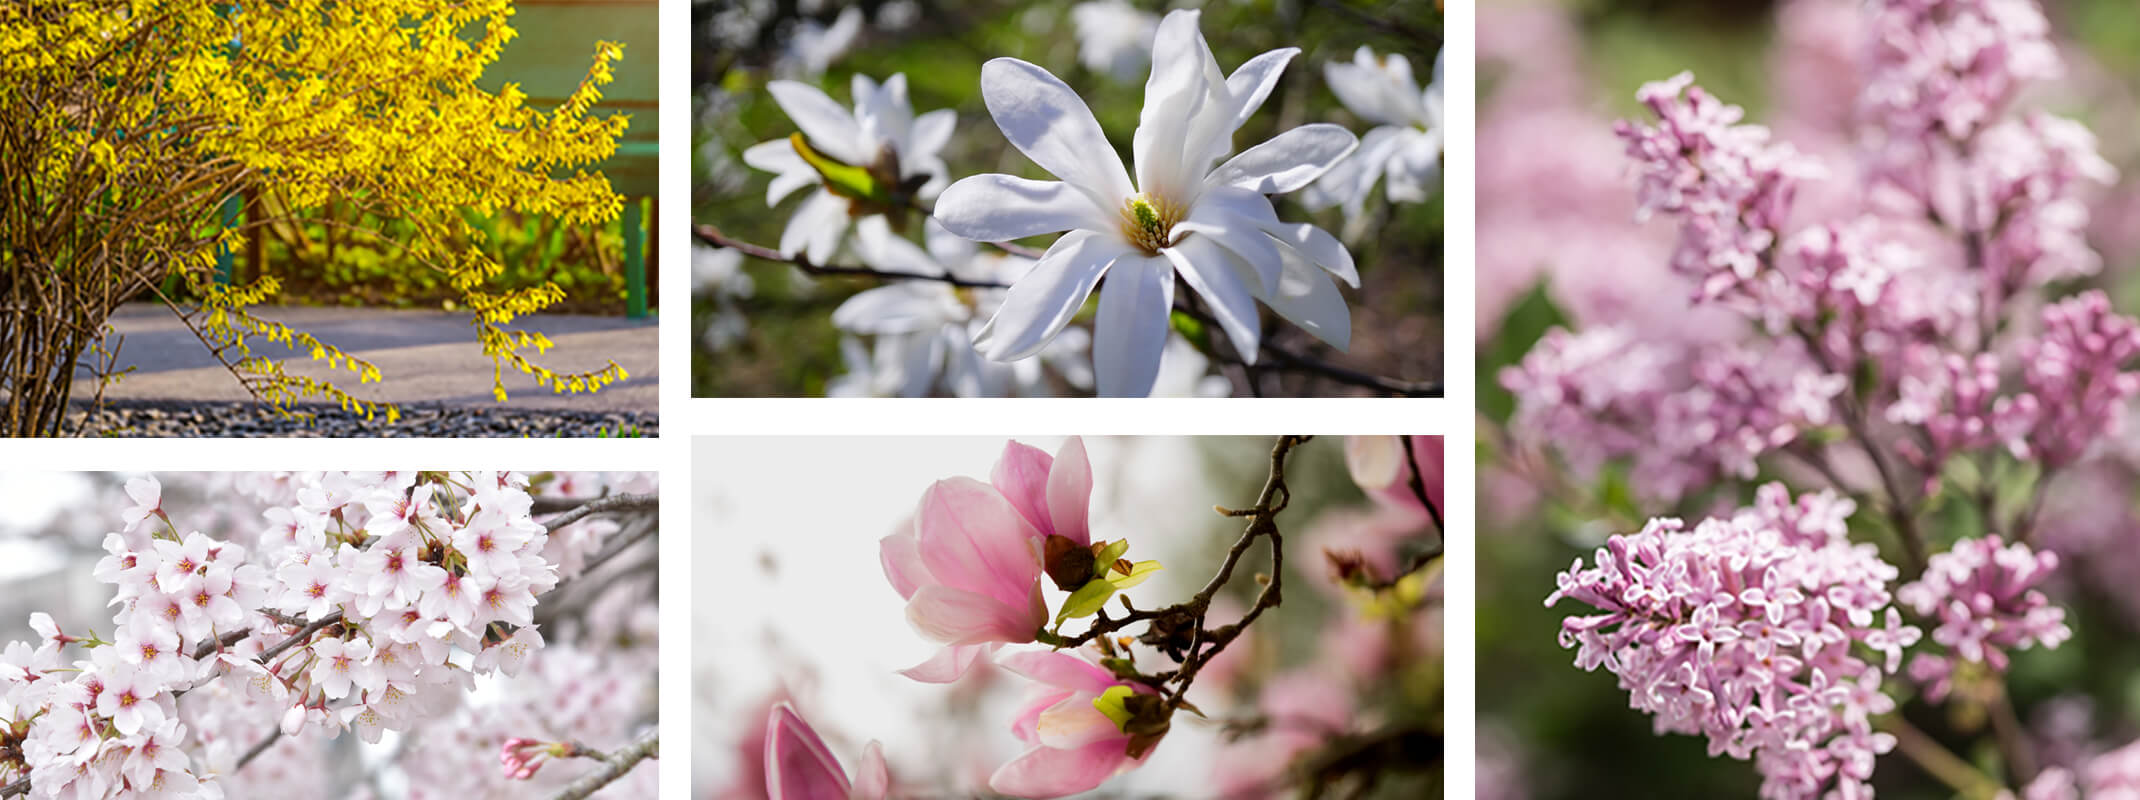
1137 573
845 180
1108 554
1115 704
1525 323
1191 329
1086 601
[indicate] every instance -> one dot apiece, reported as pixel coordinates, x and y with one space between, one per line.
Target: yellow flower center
1148 222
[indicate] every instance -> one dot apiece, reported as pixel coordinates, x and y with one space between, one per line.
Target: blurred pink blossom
798 765
1073 747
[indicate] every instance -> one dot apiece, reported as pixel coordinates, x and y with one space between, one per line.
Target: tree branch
614 765
612 503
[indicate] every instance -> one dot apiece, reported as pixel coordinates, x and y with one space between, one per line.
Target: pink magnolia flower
969 569
1054 494
798 765
1074 747
1381 466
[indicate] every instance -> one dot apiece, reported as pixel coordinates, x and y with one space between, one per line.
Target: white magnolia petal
1131 331
1308 298
931 132
817 212
879 247
1237 217
904 307
1349 181
1045 299
777 155
1213 272
830 128
1047 122
786 183
1318 246
999 208
1252 82
1287 161
1372 92
1173 94
1414 165
920 354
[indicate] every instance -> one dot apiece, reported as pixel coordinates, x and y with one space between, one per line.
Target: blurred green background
791 348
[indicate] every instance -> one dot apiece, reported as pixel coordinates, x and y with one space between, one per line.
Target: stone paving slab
427 357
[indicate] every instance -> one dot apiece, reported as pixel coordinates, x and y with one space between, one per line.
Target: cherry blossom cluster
1983 595
364 601
1770 640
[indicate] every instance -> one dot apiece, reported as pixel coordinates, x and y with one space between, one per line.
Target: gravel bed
171 419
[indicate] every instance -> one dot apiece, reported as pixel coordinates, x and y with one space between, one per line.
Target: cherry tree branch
614 765
612 503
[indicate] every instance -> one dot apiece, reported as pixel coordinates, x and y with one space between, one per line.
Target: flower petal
1287 161
959 617
831 128
949 664
791 172
1070 492
1253 81
1021 475
1047 122
900 553
999 208
931 132
1073 723
1236 219
1131 330
1058 669
1308 298
1349 180
798 765
1039 304
1176 90
971 538
820 213
1044 772
1318 246
872 780
1210 271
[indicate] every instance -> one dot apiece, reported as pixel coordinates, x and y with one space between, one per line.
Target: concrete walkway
426 358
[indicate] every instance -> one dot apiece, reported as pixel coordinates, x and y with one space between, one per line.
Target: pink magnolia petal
1070 491
901 556
1074 723
949 664
1026 726
1021 474
972 539
872 780
1046 773
959 617
1060 670
798 766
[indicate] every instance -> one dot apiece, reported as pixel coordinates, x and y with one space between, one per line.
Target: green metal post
634 258
226 262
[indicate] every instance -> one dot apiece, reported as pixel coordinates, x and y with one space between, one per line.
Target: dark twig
612 503
1419 486
614 766
710 235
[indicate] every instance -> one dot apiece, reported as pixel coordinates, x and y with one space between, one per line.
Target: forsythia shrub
125 125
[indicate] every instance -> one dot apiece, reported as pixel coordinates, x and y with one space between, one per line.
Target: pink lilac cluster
1685 415
2111 776
2077 377
1729 184
2029 177
1770 640
1983 594
1946 68
429 579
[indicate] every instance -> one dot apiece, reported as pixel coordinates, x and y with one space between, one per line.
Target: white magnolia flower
1406 147
881 134
1185 372
924 329
1214 227
812 47
1114 37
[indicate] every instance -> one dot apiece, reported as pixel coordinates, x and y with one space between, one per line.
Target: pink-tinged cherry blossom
969 568
147 496
798 765
1072 746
